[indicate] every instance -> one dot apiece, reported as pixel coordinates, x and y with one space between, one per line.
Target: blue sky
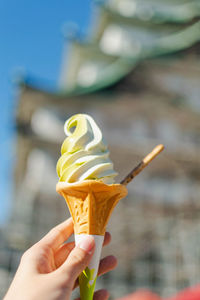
30 39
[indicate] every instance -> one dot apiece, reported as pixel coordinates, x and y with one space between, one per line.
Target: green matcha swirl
84 154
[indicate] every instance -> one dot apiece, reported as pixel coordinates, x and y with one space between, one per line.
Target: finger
58 235
77 260
100 295
62 253
107 264
107 238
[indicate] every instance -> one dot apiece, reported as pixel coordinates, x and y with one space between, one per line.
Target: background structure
137 73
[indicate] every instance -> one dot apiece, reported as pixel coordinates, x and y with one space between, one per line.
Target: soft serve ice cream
84 153
86 181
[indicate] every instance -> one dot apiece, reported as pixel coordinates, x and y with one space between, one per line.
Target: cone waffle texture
91 203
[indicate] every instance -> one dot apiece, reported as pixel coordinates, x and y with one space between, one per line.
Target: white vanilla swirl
84 154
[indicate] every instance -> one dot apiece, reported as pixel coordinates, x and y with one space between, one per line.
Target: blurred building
138 74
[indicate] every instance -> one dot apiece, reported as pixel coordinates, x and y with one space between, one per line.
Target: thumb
78 259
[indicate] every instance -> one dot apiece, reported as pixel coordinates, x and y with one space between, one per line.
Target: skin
50 268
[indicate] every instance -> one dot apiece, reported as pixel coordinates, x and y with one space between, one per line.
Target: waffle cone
91 203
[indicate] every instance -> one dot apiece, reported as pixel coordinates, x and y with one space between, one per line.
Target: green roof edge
124 65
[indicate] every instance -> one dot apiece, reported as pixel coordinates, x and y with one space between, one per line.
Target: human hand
50 268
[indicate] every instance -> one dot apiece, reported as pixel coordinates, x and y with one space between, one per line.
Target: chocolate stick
142 164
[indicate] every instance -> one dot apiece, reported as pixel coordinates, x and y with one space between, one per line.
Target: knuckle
54 231
57 232
78 257
26 255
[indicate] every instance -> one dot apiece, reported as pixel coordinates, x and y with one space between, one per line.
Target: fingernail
87 244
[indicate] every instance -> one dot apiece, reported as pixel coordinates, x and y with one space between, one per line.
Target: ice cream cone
91 203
